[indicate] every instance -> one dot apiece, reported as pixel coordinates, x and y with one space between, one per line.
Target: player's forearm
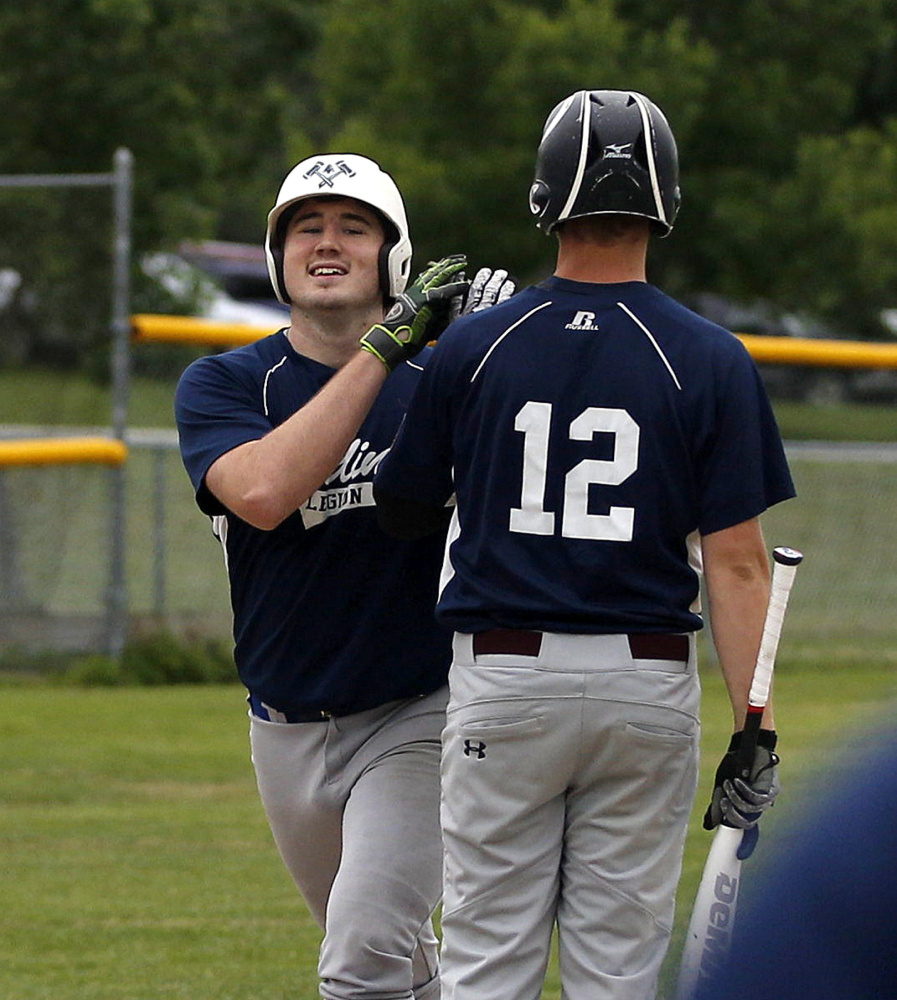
736 573
265 481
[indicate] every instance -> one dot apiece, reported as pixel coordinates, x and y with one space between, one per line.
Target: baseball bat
713 915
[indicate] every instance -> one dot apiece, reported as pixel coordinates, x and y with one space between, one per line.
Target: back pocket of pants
500 729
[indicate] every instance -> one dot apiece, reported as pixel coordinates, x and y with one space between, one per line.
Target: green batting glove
419 314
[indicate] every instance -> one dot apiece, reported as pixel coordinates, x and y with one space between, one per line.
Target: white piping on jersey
650 337
268 375
649 149
696 562
448 570
219 530
513 326
583 156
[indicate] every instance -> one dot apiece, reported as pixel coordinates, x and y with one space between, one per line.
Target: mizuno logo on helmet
619 151
326 172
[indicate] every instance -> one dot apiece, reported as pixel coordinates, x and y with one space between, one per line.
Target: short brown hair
605 228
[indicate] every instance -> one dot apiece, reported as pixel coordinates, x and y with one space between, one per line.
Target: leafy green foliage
461 136
785 116
158 658
201 94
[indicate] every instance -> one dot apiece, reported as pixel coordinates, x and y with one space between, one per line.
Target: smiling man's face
331 253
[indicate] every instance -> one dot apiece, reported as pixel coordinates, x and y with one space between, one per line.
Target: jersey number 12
534 422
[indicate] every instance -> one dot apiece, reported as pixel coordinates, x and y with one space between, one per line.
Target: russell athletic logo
475 748
583 321
327 172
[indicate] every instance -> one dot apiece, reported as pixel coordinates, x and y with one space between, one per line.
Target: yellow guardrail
821 353
152 328
58 451
148 327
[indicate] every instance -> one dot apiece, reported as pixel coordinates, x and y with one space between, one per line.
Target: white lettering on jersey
359 461
325 503
534 422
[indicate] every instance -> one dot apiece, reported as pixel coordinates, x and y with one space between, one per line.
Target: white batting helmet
344 175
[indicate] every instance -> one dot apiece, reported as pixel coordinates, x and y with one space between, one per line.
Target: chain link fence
54 551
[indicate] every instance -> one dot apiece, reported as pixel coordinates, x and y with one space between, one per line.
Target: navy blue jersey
590 432
329 613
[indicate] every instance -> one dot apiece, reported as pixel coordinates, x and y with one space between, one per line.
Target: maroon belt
523 642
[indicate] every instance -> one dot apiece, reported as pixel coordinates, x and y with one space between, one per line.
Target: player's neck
601 275
584 256
330 336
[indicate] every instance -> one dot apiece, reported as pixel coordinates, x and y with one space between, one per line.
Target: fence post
117 597
12 587
159 573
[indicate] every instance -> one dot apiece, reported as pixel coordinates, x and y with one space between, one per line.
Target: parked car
226 282
805 383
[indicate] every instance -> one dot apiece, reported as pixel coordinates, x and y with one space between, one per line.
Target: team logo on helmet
327 172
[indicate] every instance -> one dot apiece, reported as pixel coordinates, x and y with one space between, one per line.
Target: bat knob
787 557
748 843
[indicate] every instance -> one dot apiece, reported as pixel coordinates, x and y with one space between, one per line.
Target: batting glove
419 314
740 802
488 288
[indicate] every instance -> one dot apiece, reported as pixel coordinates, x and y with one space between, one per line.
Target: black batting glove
740 802
419 314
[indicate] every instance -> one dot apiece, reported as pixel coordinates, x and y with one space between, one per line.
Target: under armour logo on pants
472 747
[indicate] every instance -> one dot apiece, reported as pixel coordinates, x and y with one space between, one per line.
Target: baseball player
333 621
601 441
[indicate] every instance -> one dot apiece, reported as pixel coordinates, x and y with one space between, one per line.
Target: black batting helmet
606 152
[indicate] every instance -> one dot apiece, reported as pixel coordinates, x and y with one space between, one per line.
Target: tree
784 114
201 91
452 99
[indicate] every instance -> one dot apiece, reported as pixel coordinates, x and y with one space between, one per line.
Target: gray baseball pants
567 781
353 804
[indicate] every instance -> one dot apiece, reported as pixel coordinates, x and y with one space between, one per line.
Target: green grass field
136 860
47 397
137 864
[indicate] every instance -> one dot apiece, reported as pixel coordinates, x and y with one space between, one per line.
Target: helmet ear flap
394 268
275 253
281 286
385 260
